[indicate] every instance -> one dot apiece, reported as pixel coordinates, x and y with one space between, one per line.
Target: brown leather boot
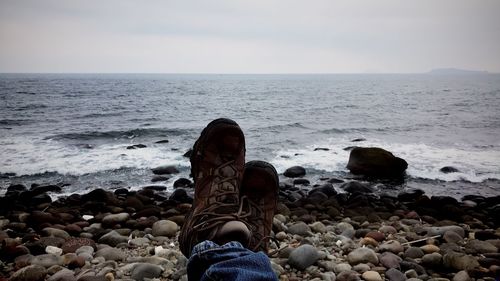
259 196
217 164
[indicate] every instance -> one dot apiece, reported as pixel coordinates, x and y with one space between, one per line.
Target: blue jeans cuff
209 245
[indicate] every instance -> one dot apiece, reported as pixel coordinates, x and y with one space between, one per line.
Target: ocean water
75 128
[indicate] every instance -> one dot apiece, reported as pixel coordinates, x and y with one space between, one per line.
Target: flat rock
30 273
49 231
146 270
115 218
389 260
165 228
303 256
165 170
362 255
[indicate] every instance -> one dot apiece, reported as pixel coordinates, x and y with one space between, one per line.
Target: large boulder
376 162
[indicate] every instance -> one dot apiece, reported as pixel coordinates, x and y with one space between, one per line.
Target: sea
76 130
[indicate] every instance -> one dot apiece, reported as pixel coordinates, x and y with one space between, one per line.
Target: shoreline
341 236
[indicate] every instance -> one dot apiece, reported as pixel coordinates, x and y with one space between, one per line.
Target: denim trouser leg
230 261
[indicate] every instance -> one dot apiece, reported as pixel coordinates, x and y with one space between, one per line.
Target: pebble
63 275
432 260
461 276
110 253
53 250
414 253
395 275
300 228
348 275
113 238
165 228
115 218
452 237
389 260
342 267
371 276
391 246
303 257
318 227
47 260
362 255
146 270
459 261
430 248
30 273
479 247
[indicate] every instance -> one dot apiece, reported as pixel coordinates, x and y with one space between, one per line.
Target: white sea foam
424 161
33 156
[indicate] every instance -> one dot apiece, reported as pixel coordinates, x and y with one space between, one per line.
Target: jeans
230 261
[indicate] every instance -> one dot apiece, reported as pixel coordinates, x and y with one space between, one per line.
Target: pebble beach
318 233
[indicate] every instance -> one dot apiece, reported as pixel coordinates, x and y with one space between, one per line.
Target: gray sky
248 36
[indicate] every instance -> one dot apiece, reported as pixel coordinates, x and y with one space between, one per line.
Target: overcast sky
248 36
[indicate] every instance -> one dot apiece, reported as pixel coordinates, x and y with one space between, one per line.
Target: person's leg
230 261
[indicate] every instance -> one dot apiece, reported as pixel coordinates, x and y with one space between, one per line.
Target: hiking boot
217 164
259 197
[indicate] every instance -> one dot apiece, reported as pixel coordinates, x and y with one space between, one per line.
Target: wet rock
362 255
395 275
303 257
449 169
164 228
165 170
355 186
134 146
305 182
180 195
183 182
295 172
30 273
146 270
113 238
371 276
375 162
158 178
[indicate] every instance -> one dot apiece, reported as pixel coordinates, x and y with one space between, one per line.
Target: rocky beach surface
319 233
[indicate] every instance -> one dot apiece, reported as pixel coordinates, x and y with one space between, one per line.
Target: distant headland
455 71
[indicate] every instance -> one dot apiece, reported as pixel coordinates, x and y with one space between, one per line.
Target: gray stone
452 237
432 260
395 275
146 270
49 231
479 247
342 267
391 246
362 255
303 257
361 267
300 228
461 276
441 230
328 265
110 253
342 227
30 273
113 238
165 228
115 218
348 275
371 276
63 275
414 253
47 260
318 227
390 260
459 261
